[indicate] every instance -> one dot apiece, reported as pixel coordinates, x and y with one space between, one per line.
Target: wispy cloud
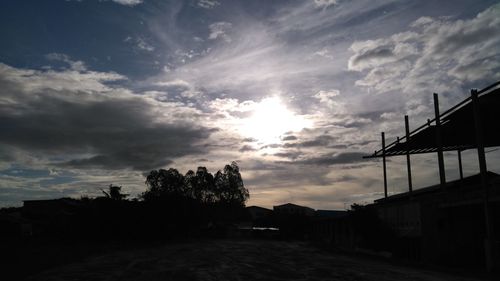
140 43
128 2
220 30
74 65
208 4
324 3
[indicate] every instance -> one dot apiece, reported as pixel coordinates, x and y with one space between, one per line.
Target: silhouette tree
114 193
204 186
226 187
163 184
190 184
230 187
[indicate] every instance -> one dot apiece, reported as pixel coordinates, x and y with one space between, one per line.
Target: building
12 224
442 226
257 213
454 222
293 209
51 216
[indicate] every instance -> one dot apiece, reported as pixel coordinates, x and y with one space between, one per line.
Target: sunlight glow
271 120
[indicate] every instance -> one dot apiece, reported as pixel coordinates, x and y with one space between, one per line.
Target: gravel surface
235 260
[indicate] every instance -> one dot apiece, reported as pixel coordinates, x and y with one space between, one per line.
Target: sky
97 92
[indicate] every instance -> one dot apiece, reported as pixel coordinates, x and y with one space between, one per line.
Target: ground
236 260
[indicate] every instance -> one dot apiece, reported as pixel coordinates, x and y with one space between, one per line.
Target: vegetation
173 205
226 187
114 193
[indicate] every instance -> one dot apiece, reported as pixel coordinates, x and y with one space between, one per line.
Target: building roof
293 205
465 183
259 208
457 128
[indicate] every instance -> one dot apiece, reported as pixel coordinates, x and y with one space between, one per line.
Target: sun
270 120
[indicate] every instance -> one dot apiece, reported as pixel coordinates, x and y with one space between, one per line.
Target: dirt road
235 260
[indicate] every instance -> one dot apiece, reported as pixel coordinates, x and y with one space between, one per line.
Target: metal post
384 165
460 164
488 243
408 163
439 143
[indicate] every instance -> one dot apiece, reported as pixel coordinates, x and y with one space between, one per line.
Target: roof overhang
457 128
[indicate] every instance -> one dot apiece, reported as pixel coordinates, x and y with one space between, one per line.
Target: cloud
290 155
208 4
180 88
281 176
143 45
372 53
327 98
246 148
324 53
335 159
249 140
325 3
352 122
436 55
319 141
220 30
174 83
289 138
74 65
128 2
72 80
140 43
88 124
422 21
257 63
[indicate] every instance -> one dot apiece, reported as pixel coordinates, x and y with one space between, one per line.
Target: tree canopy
115 192
225 187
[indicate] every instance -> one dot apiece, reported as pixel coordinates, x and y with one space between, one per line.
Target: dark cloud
273 145
281 176
322 140
352 122
290 155
376 53
339 146
94 131
328 159
120 134
319 141
289 138
249 140
246 148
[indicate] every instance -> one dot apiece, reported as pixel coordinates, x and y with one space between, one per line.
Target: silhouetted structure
330 214
441 227
454 221
293 209
258 213
14 225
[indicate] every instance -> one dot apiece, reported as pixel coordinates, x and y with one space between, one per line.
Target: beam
460 164
488 242
408 163
439 143
384 164
389 153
